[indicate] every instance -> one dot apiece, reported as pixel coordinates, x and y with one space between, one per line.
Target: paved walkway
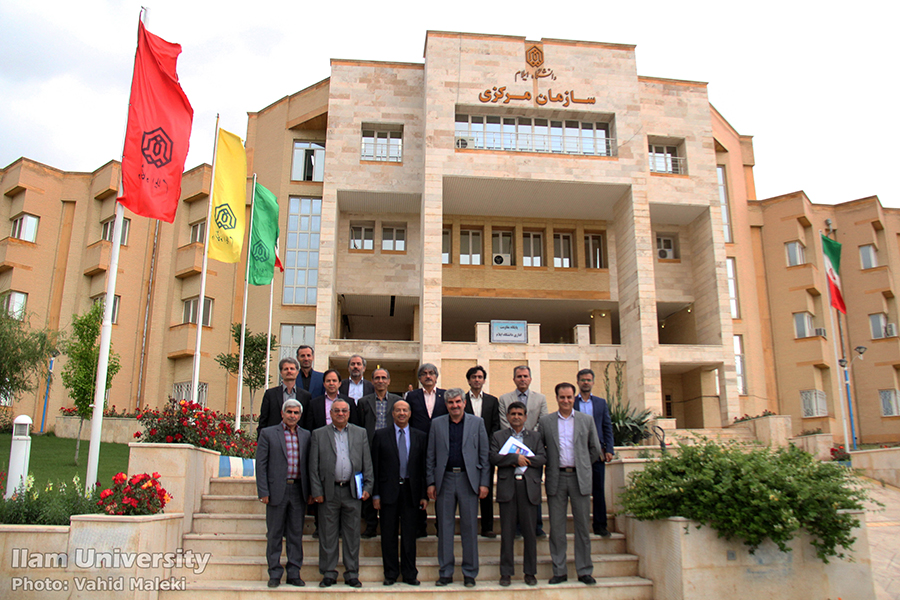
884 540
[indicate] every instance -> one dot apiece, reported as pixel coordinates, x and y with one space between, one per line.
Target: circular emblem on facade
156 146
225 218
534 56
260 252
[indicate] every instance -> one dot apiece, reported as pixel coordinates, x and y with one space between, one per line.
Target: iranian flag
832 251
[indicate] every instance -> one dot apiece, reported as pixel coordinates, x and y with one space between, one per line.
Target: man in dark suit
488 408
282 484
456 470
398 457
518 492
318 413
572 445
597 408
428 402
270 410
309 379
355 386
338 452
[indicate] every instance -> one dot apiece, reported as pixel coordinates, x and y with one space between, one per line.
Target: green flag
263 237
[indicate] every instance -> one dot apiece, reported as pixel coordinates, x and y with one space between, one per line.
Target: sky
814 83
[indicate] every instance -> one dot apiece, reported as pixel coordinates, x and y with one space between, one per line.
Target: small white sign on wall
509 332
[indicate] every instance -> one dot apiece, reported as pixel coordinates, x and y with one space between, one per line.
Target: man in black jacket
488 408
273 398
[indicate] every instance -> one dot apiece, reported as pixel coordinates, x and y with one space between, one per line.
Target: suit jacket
586 445
314 413
418 417
271 463
322 456
536 408
367 414
368 388
506 465
490 412
386 462
270 410
602 421
316 383
475 452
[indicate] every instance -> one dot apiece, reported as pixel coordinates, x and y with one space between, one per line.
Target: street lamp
845 364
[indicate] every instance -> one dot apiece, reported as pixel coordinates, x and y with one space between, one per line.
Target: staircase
231 527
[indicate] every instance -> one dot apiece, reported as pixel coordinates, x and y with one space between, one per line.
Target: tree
80 373
25 353
255 359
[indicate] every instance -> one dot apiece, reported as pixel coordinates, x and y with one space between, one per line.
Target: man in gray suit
282 484
456 470
338 453
518 492
572 447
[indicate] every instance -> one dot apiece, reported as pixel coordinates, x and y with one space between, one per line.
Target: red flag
158 132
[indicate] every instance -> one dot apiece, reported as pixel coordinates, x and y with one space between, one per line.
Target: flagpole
837 356
269 332
195 374
237 412
93 463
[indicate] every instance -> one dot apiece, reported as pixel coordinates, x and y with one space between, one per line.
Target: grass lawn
52 459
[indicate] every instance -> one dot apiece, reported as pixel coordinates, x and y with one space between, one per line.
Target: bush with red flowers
746 417
136 495
184 422
109 411
839 453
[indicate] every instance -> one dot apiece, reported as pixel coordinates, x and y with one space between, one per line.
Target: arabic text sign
509 332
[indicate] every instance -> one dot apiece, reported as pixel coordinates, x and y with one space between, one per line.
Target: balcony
96 258
189 260
670 165
814 350
182 340
877 279
14 253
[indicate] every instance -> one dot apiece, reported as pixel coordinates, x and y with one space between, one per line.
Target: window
192 306
293 336
14 304
666 246
109 225
501 245
803 325
815 403
198 232
532 249
25 228
182 391
868 256
524 134
445 246
593 251
723 201
890 407
731 270
393 238
796 254
665 159
739 365
562 250
383 145
362 236
301 262
470 247
309 161
115 310
878 323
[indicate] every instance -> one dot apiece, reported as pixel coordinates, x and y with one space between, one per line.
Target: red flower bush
109 411
183 422
839 453
136 495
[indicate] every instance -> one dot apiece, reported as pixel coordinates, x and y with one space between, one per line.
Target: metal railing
664 163
537 142
383 151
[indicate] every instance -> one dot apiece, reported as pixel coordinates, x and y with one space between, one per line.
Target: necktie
403 453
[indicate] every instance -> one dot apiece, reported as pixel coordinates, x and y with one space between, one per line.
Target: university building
504 202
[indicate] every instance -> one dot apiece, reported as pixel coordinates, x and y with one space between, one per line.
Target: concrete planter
882 464
773 430
686 563
617 477
819 445
116 430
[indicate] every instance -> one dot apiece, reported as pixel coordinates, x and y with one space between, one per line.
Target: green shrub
52 506
751 495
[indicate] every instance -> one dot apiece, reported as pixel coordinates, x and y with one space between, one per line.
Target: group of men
355 452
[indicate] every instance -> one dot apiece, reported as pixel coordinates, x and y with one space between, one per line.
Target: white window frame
382 143
308 161
795 251
723 202
890 403
532 249
666 159
393 238
362 236
527 134
198 232
878 325
182 391
593 250
731 272
740 365
562 251
502 243
446 245
116 300
669 243
191 307
868 256
106 230
25 227
300 281
813 403
293 335
804 326
15 303
470 247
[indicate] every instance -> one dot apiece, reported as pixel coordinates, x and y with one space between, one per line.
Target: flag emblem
156 146
260 252
225 218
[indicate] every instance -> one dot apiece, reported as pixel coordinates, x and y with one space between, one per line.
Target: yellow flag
226 232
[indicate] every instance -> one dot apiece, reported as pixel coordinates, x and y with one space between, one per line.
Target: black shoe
602 532
488 534
530 580
327 582
442 581
587 580
354 583
296 582
469 581
421 535
389 582
274 583
540 533
558 579
412 581
316 534
504 581
368 534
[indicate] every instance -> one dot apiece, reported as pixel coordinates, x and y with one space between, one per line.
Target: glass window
383 145
109 225
890 407
731 270
524 134
362 237
301 260
562 250
115 310
293 336
14 304
182 391
739 365
198 232
878 324
815 403
532 249
445 247
308 161
393 239
868 256
593 251
796 254
502 248
803 325
665 159
723 201
25 228
666 246
470 247
192 307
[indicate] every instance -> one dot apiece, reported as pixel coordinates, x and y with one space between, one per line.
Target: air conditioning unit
890 330
820 331
665 253
502 260
465 142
